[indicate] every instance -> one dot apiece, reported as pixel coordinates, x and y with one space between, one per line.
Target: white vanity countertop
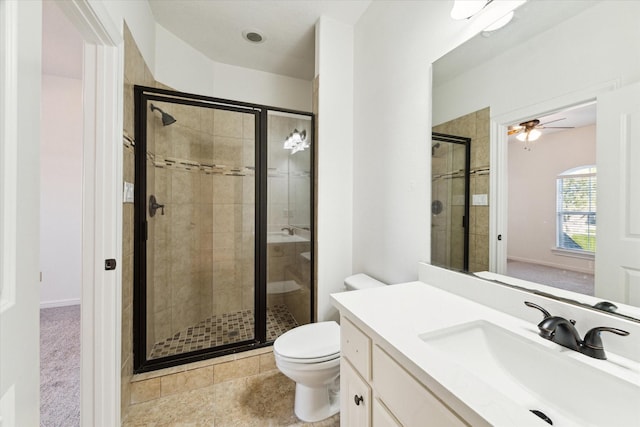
397 315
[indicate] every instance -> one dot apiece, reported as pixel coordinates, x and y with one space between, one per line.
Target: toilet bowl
310 356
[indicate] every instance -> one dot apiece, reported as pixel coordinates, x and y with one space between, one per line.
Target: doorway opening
61 211
552 199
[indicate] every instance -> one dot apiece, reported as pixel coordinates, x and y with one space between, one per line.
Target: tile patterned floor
263 400
223 329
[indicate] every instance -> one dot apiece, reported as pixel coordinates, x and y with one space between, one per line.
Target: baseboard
60 303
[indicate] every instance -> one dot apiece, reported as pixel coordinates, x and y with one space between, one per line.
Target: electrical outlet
480 200
128 192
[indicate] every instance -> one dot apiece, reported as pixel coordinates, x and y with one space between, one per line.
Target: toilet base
316 403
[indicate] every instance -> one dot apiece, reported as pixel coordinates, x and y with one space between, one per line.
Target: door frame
498 178
101 291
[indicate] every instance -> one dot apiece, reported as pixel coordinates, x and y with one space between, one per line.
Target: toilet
310 356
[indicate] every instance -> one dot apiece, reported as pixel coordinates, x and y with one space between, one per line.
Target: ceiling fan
528 131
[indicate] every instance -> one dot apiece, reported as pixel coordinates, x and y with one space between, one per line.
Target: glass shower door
289 222
223 226
450 164
200 248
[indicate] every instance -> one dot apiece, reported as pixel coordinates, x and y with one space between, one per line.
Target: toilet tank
361 281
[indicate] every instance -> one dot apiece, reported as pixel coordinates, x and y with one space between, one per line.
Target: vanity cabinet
355 394
377 391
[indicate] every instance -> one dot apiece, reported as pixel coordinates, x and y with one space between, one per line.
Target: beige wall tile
127 332
228 123
236 369
186 381
267 362
223 219
248 126
228 151
143 391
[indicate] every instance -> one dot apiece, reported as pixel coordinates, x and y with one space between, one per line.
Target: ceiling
570 118
530 19
215 29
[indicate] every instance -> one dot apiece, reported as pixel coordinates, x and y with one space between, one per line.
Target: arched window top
579 170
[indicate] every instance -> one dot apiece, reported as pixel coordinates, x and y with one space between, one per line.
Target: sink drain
542 415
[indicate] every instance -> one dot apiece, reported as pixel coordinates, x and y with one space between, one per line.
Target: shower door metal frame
453 139
142 94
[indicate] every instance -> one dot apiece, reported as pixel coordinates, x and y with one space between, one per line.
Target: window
576 209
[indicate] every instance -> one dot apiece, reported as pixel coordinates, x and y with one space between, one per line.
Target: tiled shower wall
475 126
135 72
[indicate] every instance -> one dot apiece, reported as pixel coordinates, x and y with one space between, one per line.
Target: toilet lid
311 341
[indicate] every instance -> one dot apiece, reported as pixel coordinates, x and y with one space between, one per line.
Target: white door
20 52
617 275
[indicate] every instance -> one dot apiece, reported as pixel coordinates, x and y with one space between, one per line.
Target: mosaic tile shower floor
223 329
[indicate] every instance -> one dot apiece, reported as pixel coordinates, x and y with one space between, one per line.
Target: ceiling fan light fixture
465 9
500 22
529 135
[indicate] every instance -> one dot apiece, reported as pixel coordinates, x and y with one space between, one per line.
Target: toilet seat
312 343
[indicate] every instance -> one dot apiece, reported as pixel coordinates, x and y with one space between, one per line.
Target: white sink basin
539 377
284 237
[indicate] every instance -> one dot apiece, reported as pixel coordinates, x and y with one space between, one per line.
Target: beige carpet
60 366
558 278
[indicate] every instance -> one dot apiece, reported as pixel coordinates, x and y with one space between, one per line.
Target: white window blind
576 209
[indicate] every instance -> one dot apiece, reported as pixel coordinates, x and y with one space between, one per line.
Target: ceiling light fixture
529 135
253 36
499 23
465 9
296 141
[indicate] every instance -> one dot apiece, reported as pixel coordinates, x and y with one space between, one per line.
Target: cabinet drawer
355 346
409 401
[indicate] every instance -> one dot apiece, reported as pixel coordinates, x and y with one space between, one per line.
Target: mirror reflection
536 181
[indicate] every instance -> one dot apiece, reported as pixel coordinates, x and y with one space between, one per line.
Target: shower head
167 119
434 147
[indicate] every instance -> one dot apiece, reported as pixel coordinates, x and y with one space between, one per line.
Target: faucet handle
592 344
545 313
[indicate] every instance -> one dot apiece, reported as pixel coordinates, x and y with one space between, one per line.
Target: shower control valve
154 206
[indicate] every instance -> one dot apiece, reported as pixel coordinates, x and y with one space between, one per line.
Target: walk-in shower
223 227
450 189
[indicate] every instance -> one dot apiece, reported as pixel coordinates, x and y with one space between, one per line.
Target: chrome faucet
289 230
563 332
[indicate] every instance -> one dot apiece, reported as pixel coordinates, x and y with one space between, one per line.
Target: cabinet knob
358 399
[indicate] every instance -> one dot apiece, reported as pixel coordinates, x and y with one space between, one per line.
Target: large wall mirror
551 103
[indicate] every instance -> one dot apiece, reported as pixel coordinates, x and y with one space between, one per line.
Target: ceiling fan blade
556 127
552 121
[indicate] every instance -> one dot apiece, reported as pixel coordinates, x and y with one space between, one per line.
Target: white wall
395 43
61 191
180 66
532 195
141 23
334 66
580 53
